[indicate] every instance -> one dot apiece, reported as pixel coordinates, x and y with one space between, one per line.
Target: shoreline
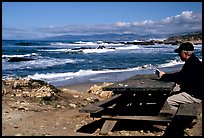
86 85
80 87
99 79
83 84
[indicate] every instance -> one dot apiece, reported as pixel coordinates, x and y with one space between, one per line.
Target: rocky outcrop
97 90
42 93
27 87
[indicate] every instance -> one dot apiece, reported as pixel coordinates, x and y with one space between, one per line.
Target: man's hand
161 73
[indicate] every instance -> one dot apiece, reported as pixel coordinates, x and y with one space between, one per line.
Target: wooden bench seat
187 111
179 120
184 118
166 119
99 106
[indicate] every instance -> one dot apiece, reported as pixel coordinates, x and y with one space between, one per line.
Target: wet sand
81 87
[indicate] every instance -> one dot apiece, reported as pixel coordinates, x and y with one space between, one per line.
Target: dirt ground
26 116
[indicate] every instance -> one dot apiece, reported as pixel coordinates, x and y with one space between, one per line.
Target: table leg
108 126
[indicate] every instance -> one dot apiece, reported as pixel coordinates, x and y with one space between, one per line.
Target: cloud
185 17
13 33
134 24
186 21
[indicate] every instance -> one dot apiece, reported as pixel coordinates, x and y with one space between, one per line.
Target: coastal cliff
193 37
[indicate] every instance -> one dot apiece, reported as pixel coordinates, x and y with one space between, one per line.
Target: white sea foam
174 62
128 47
112 44
97 50
39 63
54 77
26 55
171 63
59 44
54 50
81 43
50 77
198 46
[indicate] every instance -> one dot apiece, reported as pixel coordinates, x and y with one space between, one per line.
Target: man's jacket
189 77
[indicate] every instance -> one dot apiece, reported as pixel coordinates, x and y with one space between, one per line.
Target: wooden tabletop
141 83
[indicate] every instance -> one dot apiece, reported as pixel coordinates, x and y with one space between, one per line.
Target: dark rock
18 59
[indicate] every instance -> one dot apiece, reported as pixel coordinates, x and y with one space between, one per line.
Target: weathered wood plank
143 118
187 111
108 101
99 106
142 83
108 126
183 119
91 109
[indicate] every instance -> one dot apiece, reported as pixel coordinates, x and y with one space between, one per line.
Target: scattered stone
18 134
75 96
72 105
110 133
97 90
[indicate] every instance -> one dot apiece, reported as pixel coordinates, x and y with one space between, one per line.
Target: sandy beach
81 87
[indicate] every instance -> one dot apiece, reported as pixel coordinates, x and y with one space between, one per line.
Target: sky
33 20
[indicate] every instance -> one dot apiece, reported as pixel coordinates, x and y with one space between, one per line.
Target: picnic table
141 97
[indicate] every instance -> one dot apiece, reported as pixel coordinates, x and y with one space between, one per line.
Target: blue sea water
71 62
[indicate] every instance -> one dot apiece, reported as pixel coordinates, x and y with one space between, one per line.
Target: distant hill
195 37
105 37
192 36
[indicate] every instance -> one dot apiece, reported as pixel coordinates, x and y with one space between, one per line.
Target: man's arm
174 77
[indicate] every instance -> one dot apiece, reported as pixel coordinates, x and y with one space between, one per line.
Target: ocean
71 62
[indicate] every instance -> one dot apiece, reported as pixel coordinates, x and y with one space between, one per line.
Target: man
189 78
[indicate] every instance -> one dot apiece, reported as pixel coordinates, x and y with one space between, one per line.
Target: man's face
182 55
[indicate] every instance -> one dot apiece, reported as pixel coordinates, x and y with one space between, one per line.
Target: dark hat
184 46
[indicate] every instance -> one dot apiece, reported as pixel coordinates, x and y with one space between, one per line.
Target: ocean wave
20 56
54 77
97 50
90 49
85 43
59 43
128 47
54 50
39 64
171 63
50 77
82 43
